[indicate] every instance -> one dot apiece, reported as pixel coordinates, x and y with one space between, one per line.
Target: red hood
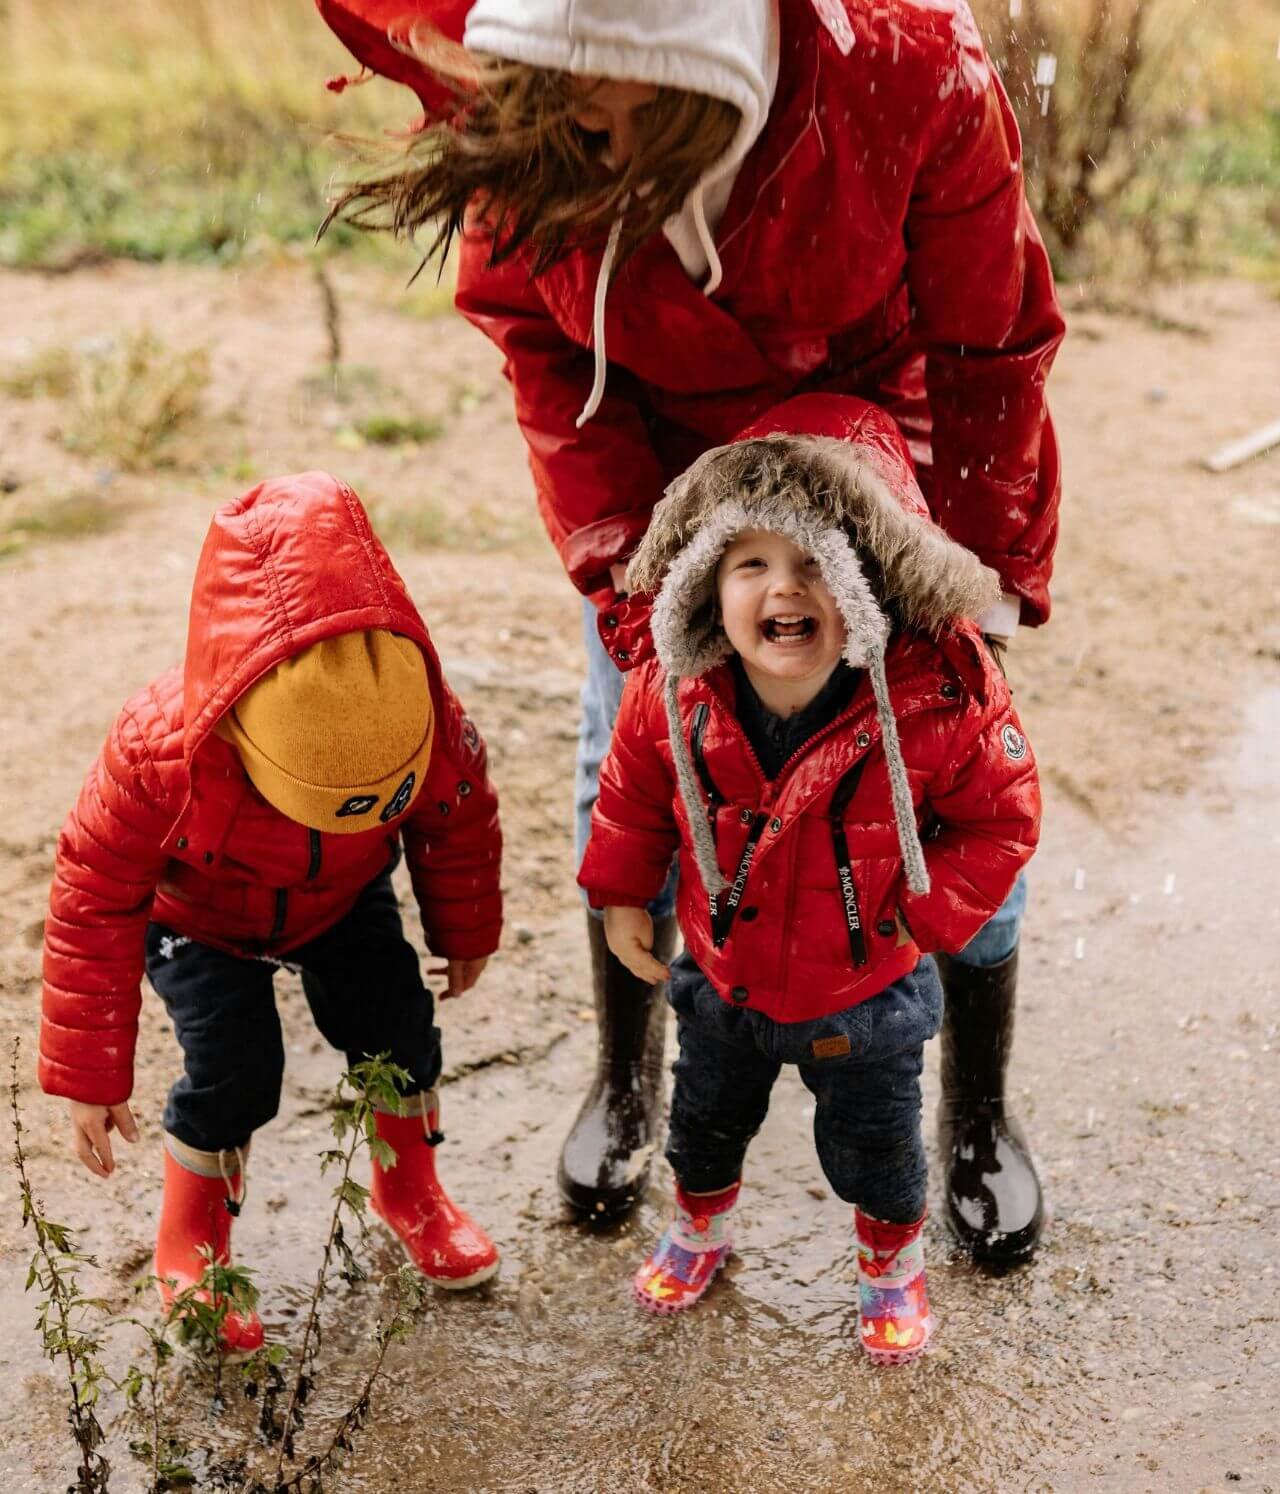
290 563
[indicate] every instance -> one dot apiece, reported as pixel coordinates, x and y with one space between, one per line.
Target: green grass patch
430 522
69 516
396 430
164 131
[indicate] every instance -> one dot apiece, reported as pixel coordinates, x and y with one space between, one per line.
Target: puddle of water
1138 1351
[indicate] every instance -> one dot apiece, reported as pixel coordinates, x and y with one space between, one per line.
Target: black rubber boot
994 1202
606 1158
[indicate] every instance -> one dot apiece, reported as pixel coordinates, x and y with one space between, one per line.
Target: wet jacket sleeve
633 826
984 801
453 842
988 317
597 486
109 860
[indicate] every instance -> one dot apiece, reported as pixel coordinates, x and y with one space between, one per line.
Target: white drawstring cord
715 269
904 811
597 320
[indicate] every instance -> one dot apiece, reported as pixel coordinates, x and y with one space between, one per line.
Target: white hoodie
700 46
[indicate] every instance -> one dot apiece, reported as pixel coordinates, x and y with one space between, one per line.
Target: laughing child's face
780 617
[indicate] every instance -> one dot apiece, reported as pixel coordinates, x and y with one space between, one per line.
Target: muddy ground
1140 1350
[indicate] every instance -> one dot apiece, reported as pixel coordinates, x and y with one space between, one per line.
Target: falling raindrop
1046 70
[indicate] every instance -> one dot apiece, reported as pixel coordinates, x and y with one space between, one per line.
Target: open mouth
789 629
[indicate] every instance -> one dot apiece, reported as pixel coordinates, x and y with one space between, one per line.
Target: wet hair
513 154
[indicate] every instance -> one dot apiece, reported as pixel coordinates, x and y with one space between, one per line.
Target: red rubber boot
197 1211
438 1237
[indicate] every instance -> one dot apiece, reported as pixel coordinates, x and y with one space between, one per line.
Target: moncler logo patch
1015 744
399 799
832 1047
357 804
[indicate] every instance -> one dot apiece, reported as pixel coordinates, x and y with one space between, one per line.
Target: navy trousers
862 1066
362 981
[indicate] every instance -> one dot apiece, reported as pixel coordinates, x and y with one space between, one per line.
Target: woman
676 216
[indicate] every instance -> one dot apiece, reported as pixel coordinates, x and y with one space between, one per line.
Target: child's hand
461 974
90 1125
629 932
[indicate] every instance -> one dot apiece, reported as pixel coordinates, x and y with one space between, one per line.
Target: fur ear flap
928 576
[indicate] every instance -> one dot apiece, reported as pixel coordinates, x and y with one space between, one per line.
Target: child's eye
750 562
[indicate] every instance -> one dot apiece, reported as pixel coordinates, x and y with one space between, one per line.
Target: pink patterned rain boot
692 1249
894 1324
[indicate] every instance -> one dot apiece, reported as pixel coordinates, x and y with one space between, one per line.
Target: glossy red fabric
877 242
970 767
977 802
168 826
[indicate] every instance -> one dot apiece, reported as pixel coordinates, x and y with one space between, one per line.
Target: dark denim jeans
363 984
862 1066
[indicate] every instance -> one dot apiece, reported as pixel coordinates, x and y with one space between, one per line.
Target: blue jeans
601 697
862 1066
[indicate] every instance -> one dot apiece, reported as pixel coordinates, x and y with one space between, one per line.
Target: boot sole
449 1283
593 1208
899 1356
659 1309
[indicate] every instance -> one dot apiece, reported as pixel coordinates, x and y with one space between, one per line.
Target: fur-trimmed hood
802 485
854 505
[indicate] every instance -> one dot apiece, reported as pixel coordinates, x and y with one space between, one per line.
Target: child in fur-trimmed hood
826 742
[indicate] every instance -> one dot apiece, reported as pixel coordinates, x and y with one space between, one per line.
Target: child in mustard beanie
246 812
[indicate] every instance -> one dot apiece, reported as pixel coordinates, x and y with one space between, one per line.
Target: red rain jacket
877 242
789 952
169 827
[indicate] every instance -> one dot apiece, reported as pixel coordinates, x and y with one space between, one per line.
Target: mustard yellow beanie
338 737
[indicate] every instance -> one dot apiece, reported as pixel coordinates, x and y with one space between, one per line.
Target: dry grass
1157 144
134 399
49 373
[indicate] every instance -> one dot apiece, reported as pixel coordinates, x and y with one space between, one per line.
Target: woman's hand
629 933
461 975
91 1126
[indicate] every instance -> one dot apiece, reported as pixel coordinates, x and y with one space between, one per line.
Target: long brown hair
513 154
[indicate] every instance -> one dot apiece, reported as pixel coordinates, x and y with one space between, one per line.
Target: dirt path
1137 1353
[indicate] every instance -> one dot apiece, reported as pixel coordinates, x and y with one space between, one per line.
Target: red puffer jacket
877 242
168 826
789 952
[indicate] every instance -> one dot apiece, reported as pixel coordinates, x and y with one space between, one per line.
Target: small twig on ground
361 1091
53 1268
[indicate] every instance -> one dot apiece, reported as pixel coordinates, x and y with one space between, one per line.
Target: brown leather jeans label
832 1047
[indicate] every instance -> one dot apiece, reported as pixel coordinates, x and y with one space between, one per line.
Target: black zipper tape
282 912
722 918
701 714
844 862
313 866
